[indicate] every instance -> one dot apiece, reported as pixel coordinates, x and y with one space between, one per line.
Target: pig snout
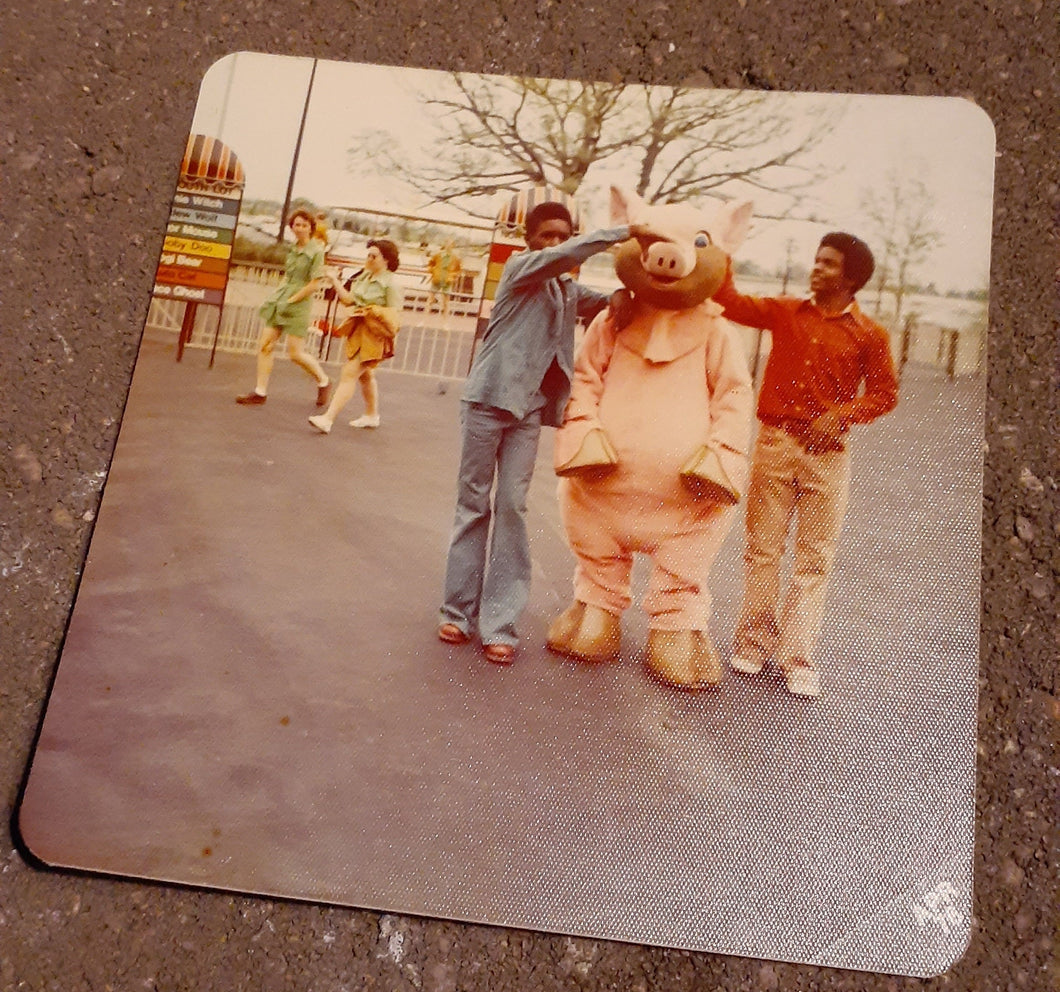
668 260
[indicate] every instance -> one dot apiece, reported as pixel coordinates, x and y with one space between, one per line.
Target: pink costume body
669 382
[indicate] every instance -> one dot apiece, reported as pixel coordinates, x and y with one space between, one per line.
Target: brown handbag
342 330
383 322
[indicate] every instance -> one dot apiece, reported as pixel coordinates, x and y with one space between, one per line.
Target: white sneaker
365 421
804 681
321 423
749 666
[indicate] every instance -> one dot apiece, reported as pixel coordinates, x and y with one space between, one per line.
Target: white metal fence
430 344
948 350
427 344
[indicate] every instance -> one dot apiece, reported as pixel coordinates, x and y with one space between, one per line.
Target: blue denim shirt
532 326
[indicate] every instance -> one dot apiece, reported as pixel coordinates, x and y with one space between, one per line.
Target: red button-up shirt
818 361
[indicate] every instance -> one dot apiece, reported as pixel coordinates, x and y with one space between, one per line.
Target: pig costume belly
657 410
656 413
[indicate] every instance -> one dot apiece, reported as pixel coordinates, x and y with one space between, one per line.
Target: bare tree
692 141
900 217
674 143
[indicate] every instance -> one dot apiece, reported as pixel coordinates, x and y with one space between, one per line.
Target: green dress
304 264
378 291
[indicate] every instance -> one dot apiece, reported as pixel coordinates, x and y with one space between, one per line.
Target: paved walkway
251 695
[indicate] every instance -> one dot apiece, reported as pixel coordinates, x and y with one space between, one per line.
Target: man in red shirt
830 367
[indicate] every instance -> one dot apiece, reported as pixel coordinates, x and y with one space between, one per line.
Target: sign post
197 250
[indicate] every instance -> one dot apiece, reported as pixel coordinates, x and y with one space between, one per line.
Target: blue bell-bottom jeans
487 575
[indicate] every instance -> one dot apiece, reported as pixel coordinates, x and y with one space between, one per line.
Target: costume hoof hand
595 457
704 475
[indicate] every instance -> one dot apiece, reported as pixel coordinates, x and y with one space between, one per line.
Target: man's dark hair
858 262
549 210
388 250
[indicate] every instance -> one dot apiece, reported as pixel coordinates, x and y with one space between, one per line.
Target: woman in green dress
286 311
371 328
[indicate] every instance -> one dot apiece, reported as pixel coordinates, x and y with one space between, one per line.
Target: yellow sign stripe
189 247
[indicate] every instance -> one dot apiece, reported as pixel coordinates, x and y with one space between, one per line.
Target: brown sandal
499 654
452 634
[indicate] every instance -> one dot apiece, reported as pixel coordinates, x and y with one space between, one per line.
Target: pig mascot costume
652 453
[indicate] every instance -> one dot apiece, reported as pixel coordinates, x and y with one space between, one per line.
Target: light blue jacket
532 325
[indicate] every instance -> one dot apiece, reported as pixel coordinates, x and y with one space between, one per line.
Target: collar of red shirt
851 308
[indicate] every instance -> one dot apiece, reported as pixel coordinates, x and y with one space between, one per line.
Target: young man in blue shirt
519 381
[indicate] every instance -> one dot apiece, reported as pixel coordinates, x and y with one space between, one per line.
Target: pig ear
734 220
626 205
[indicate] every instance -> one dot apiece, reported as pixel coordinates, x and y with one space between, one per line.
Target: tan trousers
788 483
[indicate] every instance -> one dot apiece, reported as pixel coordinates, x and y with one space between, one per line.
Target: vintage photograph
552 504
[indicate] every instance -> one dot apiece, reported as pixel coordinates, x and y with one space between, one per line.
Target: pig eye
702 239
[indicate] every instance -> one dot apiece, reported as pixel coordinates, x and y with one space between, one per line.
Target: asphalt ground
251 695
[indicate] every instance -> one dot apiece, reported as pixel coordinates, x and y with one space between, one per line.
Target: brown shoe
251 399
452 634
499 654
323 392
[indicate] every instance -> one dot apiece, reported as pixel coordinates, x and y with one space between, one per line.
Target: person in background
444 267
830 368
374 323
320 228
287 311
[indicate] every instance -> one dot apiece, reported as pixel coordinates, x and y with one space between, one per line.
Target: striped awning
210 164
513 208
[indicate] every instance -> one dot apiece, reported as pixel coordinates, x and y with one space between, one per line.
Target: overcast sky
254 104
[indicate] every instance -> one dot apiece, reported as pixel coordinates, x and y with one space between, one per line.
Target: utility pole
297 150
787 267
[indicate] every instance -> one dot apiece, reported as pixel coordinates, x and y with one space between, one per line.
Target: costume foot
251 399
321 423
564 628
366 421
499 654
709 669
684 659
803 679
586 632
452 634
323 392
746 665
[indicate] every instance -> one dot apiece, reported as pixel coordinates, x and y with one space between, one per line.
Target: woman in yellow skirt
372 326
